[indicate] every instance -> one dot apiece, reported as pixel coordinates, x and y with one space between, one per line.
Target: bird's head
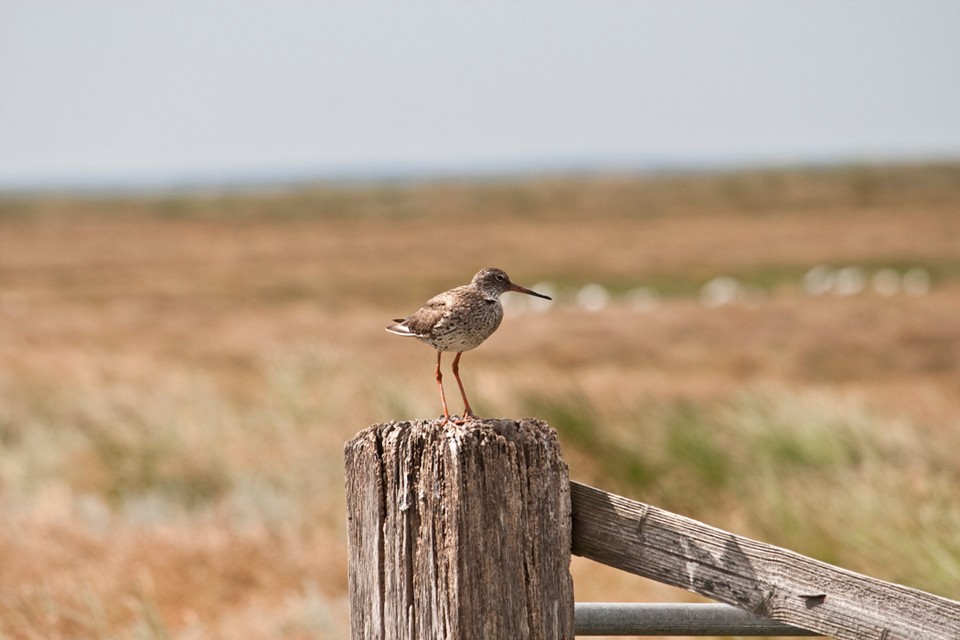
496 281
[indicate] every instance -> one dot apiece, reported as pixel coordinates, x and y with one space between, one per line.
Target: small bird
459 320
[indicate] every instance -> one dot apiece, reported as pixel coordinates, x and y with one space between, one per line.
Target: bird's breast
465 327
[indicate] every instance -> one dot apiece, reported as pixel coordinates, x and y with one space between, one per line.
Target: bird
459 320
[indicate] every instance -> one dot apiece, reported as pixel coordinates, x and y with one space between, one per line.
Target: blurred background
748 215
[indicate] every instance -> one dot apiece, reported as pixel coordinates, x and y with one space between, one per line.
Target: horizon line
163 183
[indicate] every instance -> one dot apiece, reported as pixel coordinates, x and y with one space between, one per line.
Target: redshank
459 320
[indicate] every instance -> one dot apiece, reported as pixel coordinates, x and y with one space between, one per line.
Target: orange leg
443 399
467 411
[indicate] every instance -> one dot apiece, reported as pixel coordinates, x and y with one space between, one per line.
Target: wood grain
760 578
458 532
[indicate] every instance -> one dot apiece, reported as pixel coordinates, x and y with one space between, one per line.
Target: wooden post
458 532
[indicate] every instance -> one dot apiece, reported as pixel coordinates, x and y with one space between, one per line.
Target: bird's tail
400 328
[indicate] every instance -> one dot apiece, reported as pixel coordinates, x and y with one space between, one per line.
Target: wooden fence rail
466 532
760 578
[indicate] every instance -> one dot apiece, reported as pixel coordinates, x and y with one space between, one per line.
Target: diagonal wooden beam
760 578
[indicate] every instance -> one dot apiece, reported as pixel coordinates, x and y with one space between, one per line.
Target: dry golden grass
178 375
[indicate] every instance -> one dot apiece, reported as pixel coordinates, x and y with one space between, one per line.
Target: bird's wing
423 321
426 318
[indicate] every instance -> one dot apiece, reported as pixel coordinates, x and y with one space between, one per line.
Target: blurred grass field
178 374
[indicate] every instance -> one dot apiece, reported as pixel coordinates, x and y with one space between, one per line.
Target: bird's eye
500 277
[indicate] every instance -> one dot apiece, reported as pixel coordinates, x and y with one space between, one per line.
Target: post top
477 430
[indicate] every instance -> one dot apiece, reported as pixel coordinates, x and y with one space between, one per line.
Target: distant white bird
916 281
818 280
593 297
720 291
849 281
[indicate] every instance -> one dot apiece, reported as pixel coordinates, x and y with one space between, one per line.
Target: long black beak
529 292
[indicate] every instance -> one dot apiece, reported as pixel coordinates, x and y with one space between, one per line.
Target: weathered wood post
458 532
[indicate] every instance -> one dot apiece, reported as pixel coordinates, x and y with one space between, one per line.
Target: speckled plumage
460 320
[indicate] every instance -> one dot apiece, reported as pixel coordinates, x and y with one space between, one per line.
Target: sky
113 93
